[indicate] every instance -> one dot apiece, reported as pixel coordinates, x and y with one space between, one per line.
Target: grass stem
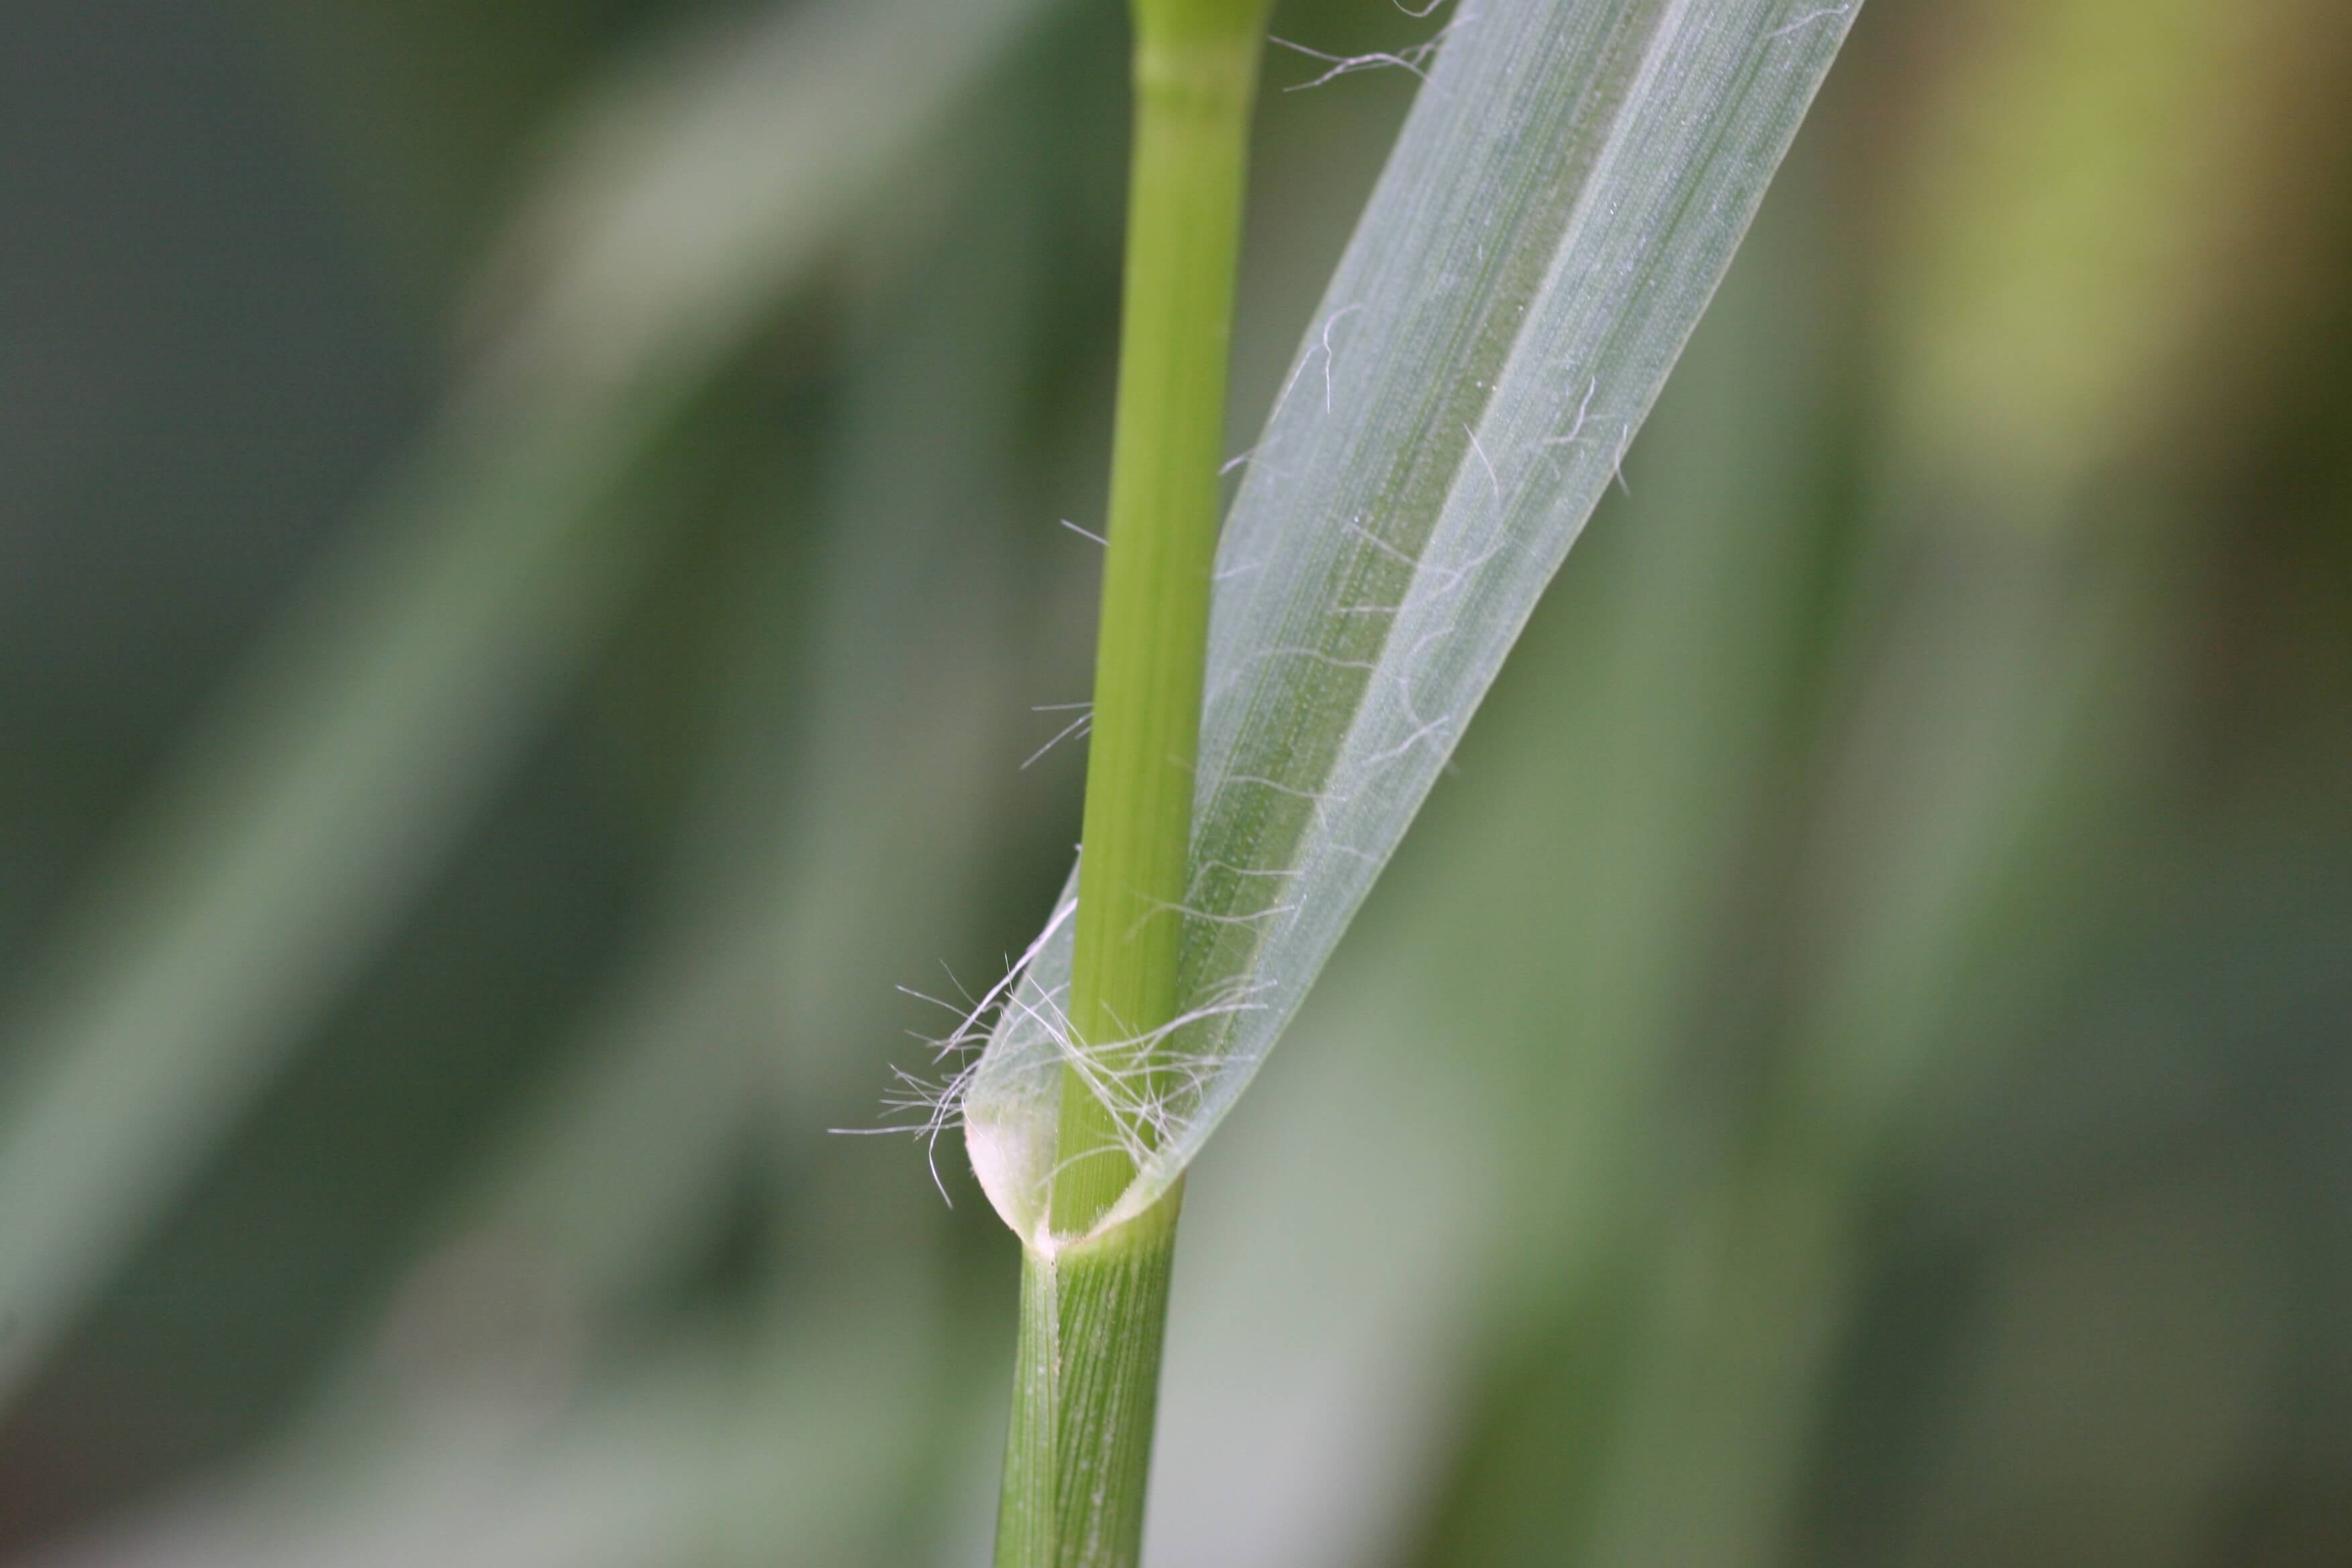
1195 78
1094 1301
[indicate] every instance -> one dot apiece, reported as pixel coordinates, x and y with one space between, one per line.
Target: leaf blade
1561 204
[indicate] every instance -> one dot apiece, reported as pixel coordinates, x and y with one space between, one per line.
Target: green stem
1094 1301
1085 1385
1196 73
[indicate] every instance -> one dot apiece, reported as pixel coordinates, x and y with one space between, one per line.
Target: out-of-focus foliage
1850 1070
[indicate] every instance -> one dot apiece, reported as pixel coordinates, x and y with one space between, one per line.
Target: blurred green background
530 569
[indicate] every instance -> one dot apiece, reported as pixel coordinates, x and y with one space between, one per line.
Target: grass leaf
1559 208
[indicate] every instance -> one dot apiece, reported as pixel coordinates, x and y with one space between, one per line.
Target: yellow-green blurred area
532 590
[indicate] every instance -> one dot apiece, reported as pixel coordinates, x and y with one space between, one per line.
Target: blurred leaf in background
529 547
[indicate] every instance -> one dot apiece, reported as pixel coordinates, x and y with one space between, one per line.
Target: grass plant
1558 211
1912 821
